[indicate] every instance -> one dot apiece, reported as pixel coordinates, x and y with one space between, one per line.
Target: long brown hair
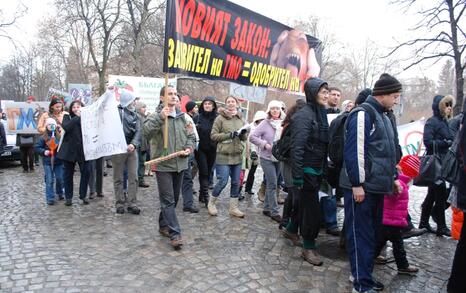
295 108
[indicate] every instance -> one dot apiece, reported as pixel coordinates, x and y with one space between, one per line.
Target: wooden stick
165 131
164 158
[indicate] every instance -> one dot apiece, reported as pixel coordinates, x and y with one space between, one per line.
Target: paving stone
91 249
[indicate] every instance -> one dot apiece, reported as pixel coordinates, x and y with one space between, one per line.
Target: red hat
31 98
410 165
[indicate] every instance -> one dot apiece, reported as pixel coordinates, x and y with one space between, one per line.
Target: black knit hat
362 96
386 85
190 105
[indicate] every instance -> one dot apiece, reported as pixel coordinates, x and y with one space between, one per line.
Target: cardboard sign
102 129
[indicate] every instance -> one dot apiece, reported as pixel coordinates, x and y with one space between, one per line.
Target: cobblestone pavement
91 249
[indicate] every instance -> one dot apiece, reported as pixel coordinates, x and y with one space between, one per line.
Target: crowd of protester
353 162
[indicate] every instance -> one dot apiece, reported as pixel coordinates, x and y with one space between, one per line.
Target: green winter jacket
229 151
180 137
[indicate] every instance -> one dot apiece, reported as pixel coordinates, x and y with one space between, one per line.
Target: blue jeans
363 223
329 210
223 172
52 176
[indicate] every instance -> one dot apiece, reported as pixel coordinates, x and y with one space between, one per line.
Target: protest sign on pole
146 88
221 40
22 117
80 91
102 129
410 137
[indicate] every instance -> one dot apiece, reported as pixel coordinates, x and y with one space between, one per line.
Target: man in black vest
369 173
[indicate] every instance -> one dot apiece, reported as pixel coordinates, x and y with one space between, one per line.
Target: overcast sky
350 21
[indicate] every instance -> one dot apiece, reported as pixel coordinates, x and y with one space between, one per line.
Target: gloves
233 134
254 156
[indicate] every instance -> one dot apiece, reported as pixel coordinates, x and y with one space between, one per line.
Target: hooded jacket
204 122
395 206
229 150
436 130
309 133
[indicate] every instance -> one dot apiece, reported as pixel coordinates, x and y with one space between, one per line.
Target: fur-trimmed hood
439 106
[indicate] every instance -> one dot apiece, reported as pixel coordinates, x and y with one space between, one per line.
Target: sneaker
120 210
134 210
192 210
143 185
176 242
92 195
408 271
276 218
334 231
293 237
164 231
311 256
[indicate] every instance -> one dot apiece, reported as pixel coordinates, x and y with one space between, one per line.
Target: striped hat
410 165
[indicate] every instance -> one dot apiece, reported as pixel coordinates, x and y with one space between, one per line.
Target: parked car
10 152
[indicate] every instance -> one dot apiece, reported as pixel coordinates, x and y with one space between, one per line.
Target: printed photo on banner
410 137
63 96
102 130
221 40
146 88
22 117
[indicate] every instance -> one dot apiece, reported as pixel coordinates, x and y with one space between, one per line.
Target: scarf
231 113
277 125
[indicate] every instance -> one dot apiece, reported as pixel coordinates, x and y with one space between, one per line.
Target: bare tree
7 22
443 37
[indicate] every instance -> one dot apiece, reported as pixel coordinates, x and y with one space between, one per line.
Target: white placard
102 129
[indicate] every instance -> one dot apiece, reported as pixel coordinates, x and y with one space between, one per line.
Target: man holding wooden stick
169 173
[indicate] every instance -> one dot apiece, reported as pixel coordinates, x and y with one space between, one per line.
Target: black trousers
27 157
435 199
250 179
393 234
205 163
308 207
456 283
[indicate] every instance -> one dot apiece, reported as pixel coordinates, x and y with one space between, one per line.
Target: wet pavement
92 249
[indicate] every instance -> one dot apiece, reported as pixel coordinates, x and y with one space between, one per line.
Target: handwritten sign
102 129
22 117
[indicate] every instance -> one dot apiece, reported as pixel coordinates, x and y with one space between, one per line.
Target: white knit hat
260 115
50 121
126 97
276 104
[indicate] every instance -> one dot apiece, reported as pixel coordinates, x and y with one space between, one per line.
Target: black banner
221 40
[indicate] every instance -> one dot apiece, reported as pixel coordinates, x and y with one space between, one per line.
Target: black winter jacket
204 122
309 132
436 130
71 148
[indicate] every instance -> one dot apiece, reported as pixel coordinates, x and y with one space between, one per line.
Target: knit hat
260 115
410 165
31 98
50 121
362 96
190 105
386 85
345 104
55 101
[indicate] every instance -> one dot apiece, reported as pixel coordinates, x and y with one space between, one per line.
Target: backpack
282 147
336 133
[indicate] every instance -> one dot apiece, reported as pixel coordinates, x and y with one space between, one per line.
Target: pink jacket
395 208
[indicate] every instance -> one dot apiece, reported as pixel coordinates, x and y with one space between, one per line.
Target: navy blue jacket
436 129
42 146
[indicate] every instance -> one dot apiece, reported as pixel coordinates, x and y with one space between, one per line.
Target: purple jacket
395 208
263 134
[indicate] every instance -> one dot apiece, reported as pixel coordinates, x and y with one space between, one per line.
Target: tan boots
233 211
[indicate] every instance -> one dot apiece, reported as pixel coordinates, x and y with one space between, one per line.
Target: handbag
430 171
26 140
451 166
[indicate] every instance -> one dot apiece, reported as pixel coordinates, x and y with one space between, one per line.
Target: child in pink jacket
395 212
